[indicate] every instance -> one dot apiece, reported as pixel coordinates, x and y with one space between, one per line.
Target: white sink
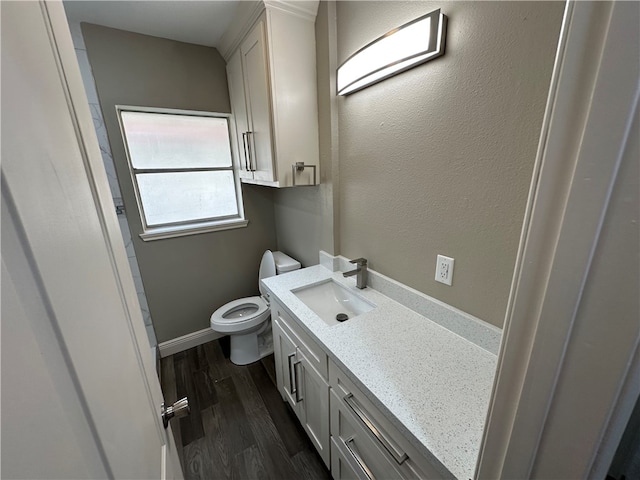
329 299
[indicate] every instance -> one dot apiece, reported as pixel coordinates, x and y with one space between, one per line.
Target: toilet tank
284 263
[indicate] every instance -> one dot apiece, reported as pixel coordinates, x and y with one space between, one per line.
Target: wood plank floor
239 426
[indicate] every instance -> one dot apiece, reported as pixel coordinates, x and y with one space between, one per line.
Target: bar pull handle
361 463
244 145
295 376
251 142
398 455
292 382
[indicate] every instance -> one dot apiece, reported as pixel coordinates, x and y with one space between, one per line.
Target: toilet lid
267 269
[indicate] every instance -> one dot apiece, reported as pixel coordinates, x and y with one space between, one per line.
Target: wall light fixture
400 49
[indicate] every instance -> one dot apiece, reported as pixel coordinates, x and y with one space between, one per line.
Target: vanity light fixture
400 49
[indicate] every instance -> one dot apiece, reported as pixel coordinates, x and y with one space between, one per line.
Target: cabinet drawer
358 447
357 412
315 355
343 464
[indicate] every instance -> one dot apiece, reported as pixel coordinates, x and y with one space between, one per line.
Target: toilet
247 320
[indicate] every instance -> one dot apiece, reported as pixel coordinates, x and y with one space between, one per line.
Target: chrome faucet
360 271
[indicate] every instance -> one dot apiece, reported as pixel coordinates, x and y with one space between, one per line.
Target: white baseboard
188 341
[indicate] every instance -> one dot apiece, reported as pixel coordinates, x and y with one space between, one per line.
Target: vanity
399 390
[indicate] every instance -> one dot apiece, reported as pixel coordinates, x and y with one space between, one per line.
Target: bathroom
398 183
391 160
382 159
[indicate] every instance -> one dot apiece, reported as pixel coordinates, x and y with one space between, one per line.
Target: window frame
184 227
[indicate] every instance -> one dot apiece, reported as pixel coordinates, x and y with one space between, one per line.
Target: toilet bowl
247 320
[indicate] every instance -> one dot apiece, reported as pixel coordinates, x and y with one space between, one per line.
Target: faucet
360 271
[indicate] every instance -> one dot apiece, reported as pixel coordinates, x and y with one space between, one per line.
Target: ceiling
191 21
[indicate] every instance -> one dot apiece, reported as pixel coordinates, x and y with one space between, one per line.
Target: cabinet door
285 357
256 85
239 109
314 405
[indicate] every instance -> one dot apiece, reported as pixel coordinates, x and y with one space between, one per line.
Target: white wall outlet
444 269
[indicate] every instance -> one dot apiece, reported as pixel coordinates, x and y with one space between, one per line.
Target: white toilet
247 320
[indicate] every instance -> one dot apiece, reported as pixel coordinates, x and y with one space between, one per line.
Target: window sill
184 230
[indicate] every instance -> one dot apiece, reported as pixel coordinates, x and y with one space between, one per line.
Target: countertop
433 384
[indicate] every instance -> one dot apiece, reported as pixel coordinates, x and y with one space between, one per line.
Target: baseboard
188 341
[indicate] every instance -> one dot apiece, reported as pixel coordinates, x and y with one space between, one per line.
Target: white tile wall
105 149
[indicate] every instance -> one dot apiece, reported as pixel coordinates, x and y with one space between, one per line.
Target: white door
80 395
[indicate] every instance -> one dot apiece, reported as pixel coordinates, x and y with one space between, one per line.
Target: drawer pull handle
354 453
295 376
398 455
292 382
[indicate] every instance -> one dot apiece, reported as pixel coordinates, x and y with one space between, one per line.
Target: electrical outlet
444 269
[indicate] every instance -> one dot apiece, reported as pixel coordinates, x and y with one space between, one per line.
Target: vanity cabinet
272 88
300 383
367 444
353 437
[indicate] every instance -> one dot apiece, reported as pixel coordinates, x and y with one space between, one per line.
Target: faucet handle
359 261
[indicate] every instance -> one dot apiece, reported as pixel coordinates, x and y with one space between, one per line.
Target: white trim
594 90
189 227
306 10
183 230
187 341
248 14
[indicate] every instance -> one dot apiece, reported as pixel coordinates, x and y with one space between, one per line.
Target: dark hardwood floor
239 426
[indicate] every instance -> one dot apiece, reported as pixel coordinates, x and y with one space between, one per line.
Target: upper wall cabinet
272 84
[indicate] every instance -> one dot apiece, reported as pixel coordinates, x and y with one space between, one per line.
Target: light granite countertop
433 384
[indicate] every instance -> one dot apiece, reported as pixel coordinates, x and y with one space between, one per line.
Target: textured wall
185 278
304 216
438 160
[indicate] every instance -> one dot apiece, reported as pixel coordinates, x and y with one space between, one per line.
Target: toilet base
252 346
244 349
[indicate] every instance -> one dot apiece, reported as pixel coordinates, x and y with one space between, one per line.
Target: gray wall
438 160
185 278
305 216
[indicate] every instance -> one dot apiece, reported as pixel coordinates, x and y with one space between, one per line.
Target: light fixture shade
400 49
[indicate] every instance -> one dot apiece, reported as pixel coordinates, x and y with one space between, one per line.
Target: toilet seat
237 316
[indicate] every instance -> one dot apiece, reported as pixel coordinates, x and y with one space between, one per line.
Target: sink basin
329 299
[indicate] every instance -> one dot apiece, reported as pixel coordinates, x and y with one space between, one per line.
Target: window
182 171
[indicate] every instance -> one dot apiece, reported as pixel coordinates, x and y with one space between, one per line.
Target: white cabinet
249 91
299 382
369 443
354 438
272 86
